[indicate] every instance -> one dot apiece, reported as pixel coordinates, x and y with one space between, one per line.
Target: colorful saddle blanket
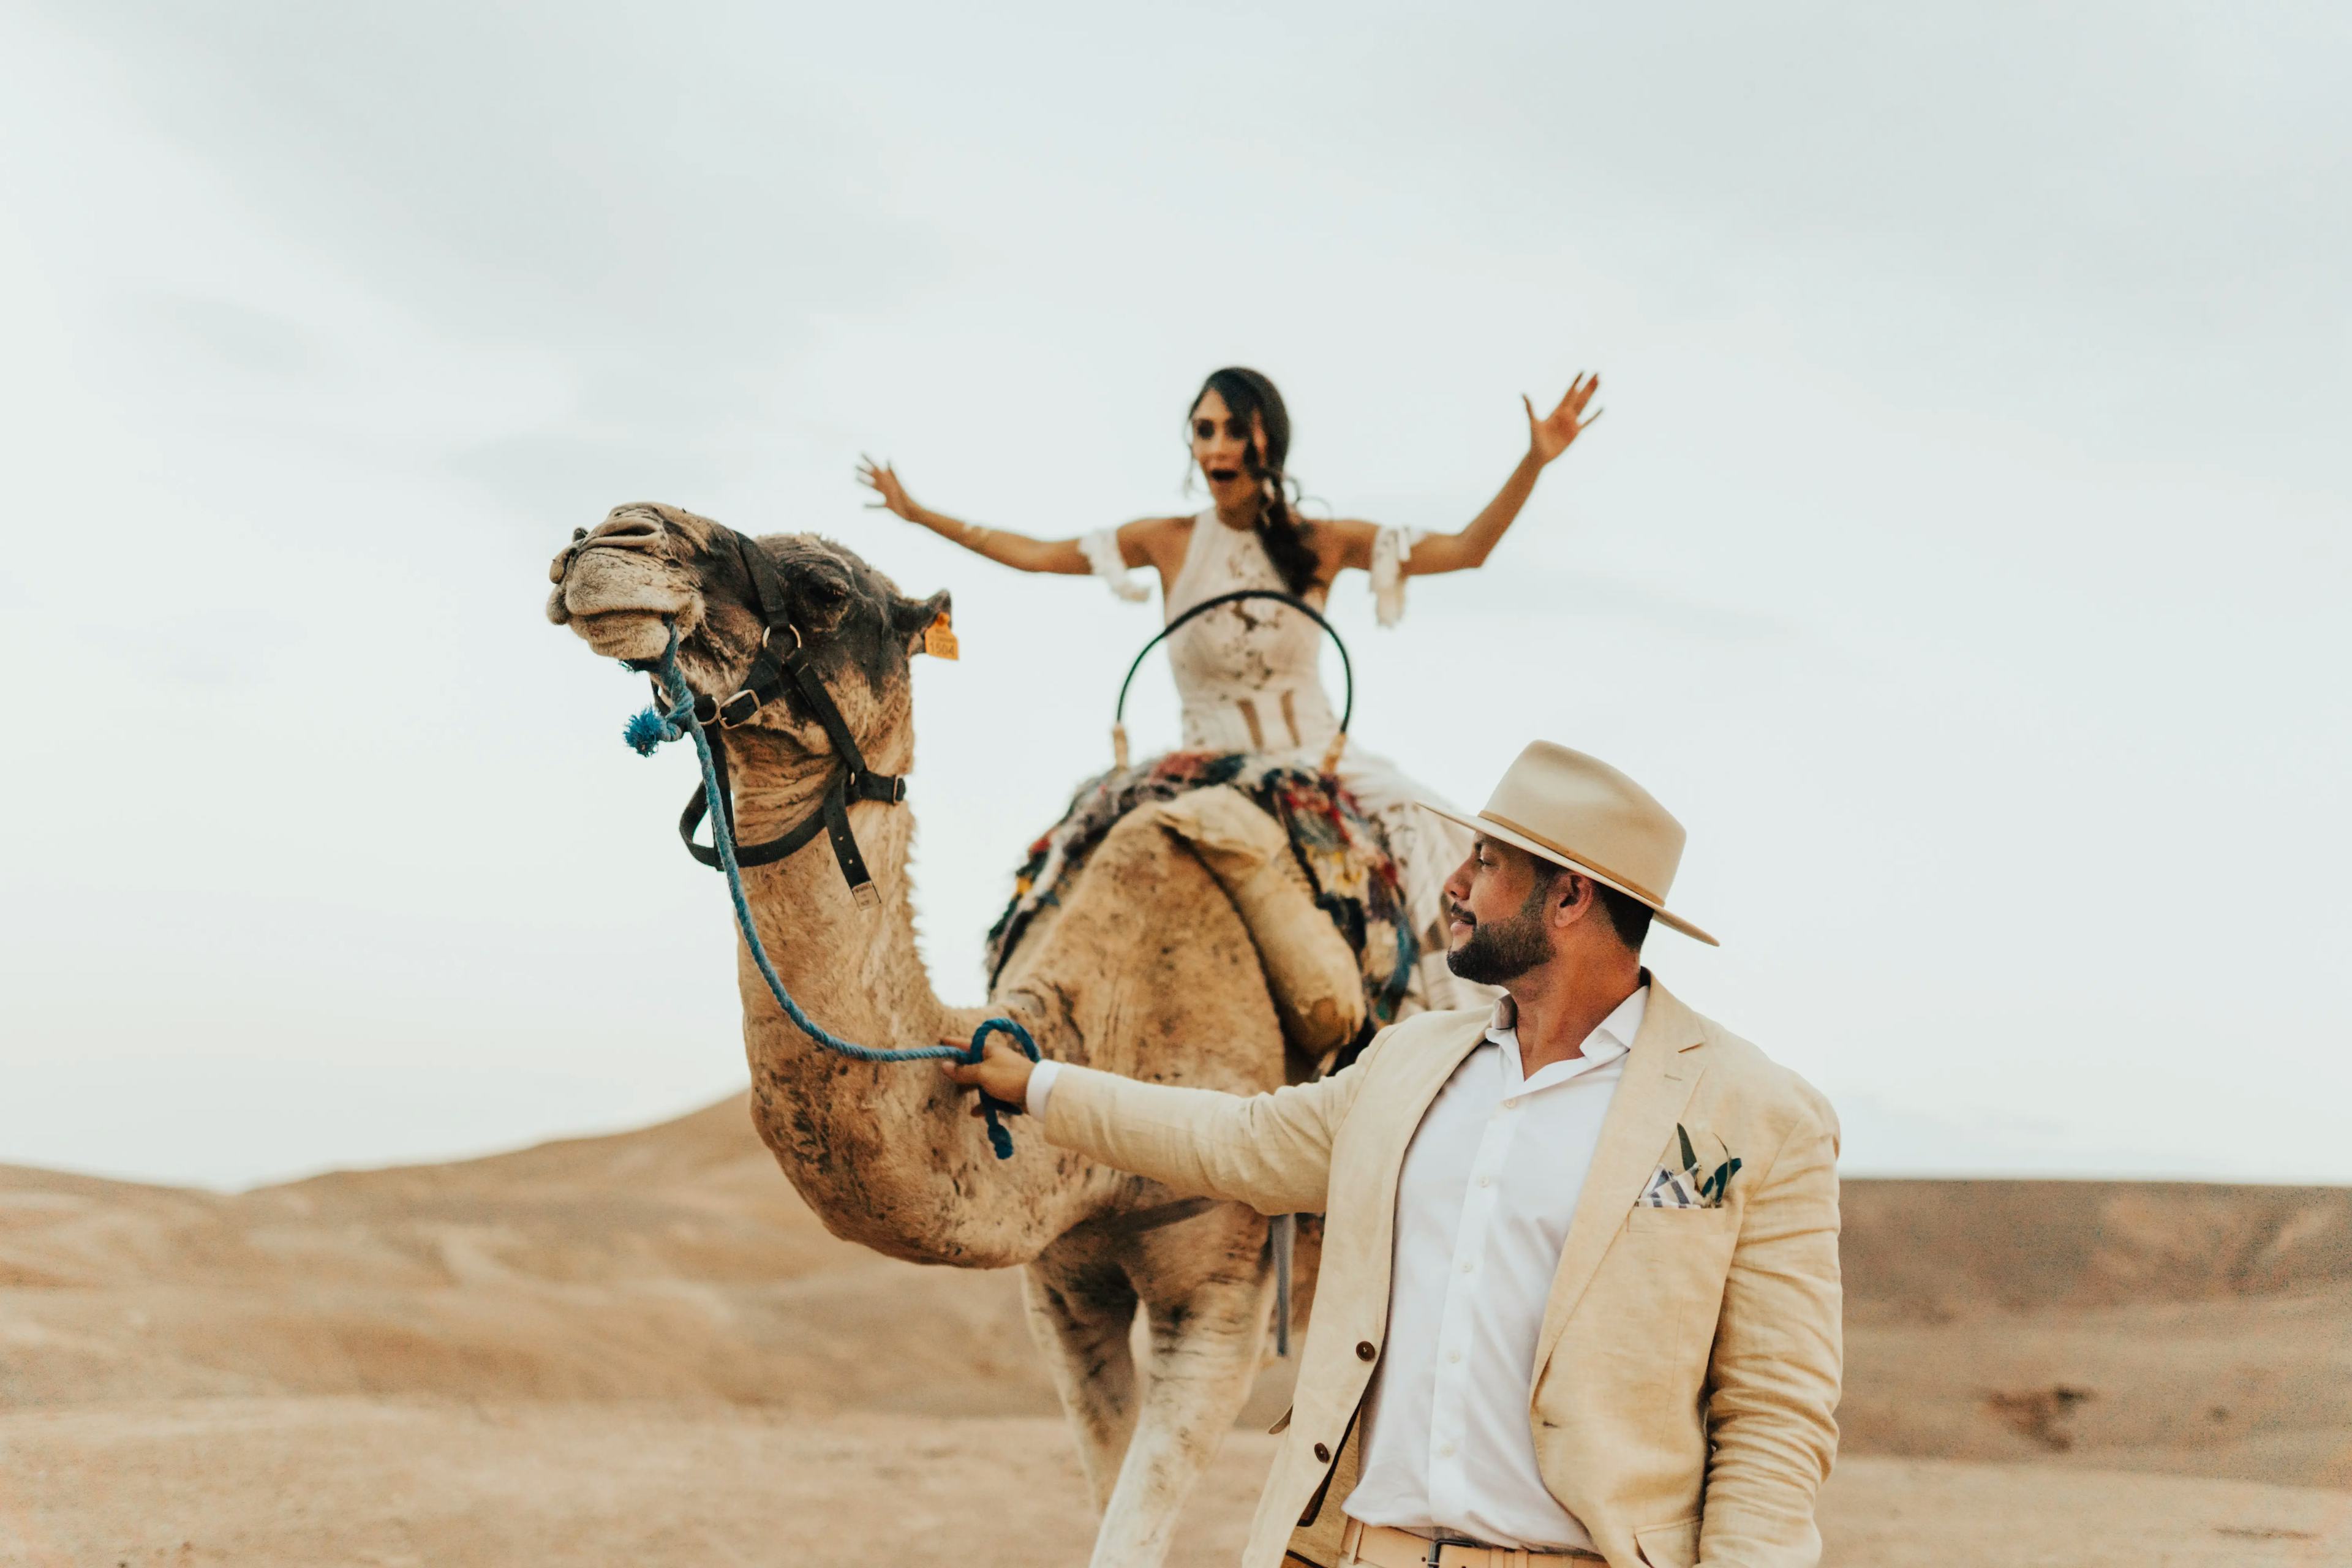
1338 847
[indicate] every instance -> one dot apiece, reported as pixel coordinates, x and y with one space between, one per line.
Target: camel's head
622 583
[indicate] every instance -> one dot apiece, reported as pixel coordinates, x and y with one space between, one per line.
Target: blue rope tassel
651 728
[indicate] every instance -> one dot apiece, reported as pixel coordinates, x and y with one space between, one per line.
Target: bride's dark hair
1246 392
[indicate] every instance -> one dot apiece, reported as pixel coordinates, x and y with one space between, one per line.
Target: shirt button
1454 1357
1322 1455
1469 1268
1445 1452
1512 1104
1364 1350
1486 1180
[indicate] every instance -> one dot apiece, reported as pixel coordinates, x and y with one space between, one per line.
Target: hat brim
1561 857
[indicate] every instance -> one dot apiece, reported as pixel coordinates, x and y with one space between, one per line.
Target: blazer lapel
1402 1114
1657 1084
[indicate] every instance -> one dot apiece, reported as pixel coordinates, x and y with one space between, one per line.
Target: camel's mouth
622 600
624 634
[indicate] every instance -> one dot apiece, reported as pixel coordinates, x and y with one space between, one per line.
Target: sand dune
293 1483
642 1349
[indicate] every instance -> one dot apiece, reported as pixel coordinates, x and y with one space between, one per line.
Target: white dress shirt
1488 1186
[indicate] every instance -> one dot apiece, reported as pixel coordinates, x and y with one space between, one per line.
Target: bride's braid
1248 393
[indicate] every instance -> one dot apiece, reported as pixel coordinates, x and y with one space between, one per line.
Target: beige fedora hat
1579 812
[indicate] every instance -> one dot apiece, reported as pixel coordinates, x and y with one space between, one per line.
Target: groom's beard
1498 952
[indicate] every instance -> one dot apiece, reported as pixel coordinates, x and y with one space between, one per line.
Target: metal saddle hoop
1346 667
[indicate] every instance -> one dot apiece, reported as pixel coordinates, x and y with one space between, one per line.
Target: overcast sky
1963 556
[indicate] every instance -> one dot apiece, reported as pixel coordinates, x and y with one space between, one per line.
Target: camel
1147 967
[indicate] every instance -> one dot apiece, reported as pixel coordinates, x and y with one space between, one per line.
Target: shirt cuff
1041 1087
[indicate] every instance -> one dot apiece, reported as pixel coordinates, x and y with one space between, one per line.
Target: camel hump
1315 978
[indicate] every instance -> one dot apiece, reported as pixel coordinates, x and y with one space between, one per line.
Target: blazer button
1364 1350
1322 1455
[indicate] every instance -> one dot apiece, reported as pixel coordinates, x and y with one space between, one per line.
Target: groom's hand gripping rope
999 1072
655 726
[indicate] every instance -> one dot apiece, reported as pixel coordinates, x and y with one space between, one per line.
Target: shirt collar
1624 1021
1613 1038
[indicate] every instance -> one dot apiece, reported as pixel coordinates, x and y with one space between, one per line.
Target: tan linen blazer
1687 1375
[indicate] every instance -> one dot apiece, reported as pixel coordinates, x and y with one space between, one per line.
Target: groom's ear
912 619
1571 895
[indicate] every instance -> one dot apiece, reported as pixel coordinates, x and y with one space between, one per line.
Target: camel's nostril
619 533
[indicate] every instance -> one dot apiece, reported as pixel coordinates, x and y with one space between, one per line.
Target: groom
1578 1297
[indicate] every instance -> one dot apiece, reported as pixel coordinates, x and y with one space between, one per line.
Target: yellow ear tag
940 639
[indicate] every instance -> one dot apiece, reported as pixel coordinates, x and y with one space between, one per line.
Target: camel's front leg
1207 1287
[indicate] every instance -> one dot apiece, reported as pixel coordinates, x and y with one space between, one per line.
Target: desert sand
642 1350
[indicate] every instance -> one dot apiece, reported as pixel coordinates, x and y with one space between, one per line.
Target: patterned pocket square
1672 1190
1689 1186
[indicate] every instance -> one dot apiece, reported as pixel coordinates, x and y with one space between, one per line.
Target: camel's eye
826 594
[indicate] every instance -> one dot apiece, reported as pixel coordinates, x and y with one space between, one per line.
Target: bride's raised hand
1549 436
882 481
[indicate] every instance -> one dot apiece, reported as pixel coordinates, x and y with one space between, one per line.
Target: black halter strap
765 684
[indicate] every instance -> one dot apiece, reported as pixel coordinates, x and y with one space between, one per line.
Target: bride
1247 672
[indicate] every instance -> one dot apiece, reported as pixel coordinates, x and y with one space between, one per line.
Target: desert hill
639 1348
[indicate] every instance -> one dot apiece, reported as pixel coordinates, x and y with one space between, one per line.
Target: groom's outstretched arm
1272 1152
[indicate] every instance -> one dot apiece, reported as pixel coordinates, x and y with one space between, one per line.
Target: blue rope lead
651 728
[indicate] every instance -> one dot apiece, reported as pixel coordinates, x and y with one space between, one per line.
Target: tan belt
1382 1547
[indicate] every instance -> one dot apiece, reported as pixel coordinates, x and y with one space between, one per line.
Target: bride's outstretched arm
1548 436
1002 545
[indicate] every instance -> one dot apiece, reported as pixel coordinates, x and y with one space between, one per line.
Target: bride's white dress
1247 676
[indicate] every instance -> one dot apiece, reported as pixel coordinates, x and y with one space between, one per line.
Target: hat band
1655 900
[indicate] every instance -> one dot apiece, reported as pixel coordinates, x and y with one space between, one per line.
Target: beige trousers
1378 1546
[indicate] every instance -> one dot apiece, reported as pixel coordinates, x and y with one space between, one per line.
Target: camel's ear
914 619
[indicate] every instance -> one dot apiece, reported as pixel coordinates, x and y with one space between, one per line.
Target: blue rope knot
652 728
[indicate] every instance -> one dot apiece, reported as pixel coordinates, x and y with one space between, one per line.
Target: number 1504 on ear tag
940 639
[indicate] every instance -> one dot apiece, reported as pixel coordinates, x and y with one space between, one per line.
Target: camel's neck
854 970
885 1154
